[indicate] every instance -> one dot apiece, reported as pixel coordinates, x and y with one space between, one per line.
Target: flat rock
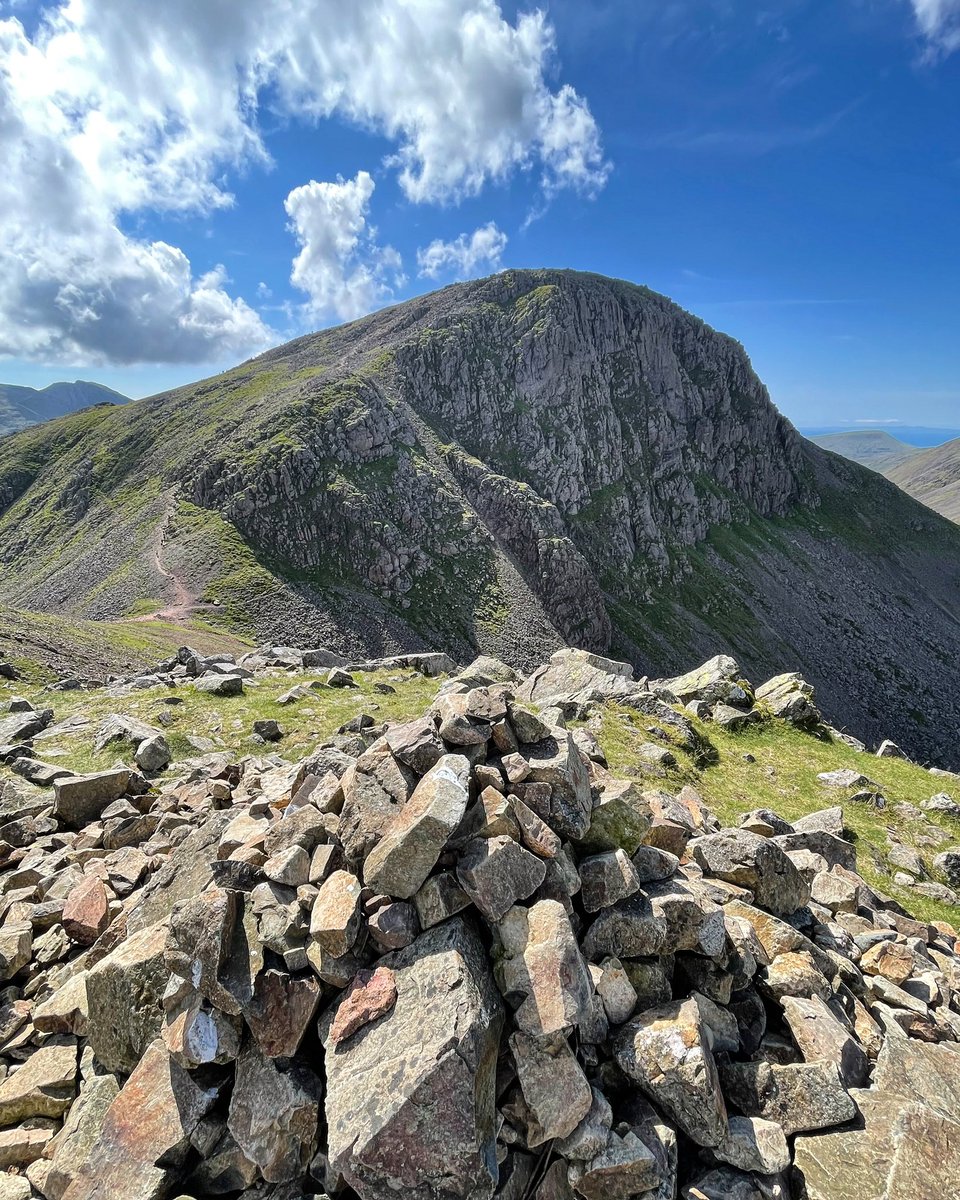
756 863
44 1086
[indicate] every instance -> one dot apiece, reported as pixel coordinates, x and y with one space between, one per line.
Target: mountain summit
538 458
23 406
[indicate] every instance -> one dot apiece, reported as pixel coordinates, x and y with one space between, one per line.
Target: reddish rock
86 913
371 995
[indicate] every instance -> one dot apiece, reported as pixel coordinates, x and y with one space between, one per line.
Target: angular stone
692 921
44 1086
411 844
65 1011
220 685
892 960
756 863
123 999
153 754
213 942
616 992
24 1144
606 879
631 929
497 872
86 913
145 1138
16 948
337 916
416 743
653 865
836 850
794 974
620 821
439 898
273 1114
790 698
553 1085
82 798
590 1137
798 1096
820 1037
394 925
70 1149
410 1102
626 1168
541 961
289 867
667 1052
281 1011
901 1148
557 762
535 833
371 995
753 1144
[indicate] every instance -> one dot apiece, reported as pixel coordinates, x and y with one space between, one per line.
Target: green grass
226 721
784 778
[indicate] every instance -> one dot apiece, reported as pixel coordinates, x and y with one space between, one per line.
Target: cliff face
538 458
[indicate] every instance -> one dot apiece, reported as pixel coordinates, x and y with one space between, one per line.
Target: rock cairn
457 958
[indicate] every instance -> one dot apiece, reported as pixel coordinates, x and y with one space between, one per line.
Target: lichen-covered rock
667 1052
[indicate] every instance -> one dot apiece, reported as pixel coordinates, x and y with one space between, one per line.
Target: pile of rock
458 958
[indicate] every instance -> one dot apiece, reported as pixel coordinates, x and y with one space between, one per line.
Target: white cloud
464 254
110 109
340 265
939 22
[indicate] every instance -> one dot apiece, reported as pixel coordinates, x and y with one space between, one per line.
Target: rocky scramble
456 956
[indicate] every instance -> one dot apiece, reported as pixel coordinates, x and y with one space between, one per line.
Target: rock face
405 967
422 481
410 1101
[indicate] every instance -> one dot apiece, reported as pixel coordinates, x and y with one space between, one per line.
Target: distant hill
24 406
933 477
873 448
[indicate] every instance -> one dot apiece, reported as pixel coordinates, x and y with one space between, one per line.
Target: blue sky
185 189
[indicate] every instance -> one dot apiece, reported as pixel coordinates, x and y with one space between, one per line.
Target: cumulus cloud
340 266
110 109
464 254
939 22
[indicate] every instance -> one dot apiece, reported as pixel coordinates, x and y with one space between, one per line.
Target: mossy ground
783 777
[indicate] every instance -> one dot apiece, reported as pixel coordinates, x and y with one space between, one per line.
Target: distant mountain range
874 448
21 407
923 436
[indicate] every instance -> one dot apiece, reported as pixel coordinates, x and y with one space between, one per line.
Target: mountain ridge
21 407
933 478
873 448
539 458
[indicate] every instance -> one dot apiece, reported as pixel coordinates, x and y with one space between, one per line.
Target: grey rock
437 1046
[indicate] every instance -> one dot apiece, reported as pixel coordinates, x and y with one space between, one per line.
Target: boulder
539 959
273 1114
124 990
496 872
756 863
145 1138
82 798
411 844
410 1099
797 1096
667 1052
43 1086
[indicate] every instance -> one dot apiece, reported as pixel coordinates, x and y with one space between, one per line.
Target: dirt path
184 602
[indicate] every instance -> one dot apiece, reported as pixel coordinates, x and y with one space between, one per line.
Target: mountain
23 406
539 458
933 477
874 448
